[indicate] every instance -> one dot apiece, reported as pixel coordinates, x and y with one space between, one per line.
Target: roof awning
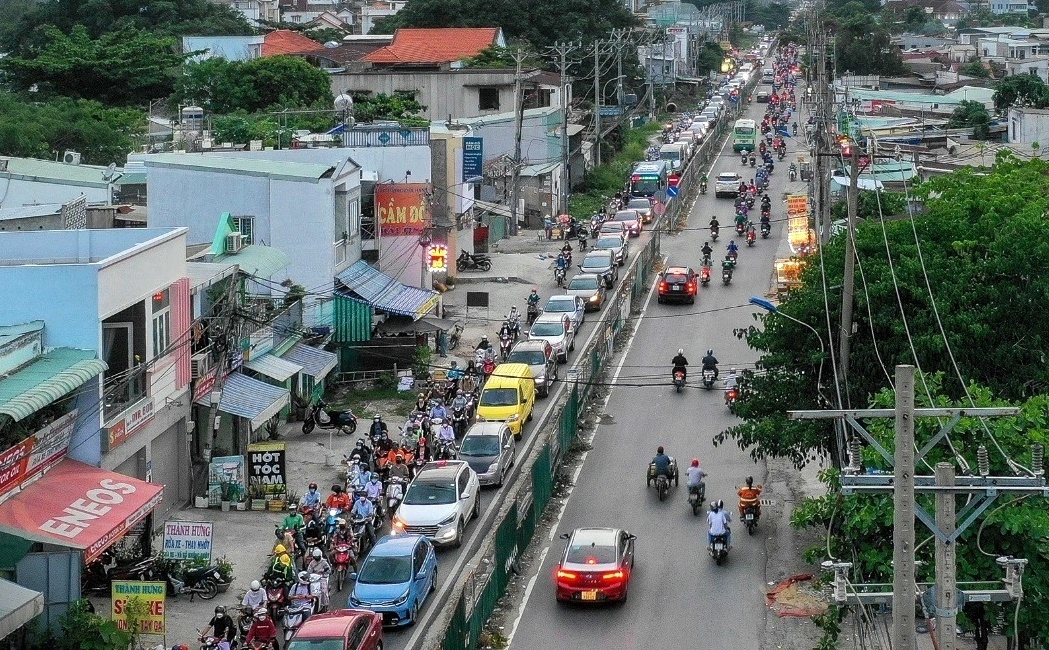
273 366
18 606
252 399
315 362
259 261
53 375
426 324
79 506
367 284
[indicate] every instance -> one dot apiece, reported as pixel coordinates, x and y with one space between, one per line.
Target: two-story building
29 181
373 11
1029 125
230 48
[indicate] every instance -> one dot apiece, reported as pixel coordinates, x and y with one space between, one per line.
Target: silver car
539 355
491 451
619 245
555 329
574 306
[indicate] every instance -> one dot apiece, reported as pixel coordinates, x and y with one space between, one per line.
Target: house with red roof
286 41
439 48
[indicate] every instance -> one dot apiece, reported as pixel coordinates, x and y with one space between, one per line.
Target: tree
1021 90
270 83
772 15
35 130
974 115
975 68
986 293
709 58
863 47
401 106
501 57
127 67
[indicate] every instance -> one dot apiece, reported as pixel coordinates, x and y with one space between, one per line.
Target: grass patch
603 182
363 401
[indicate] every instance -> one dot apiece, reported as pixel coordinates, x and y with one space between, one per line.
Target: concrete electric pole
515 188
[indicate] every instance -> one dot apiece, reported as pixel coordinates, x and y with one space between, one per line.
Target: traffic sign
672 191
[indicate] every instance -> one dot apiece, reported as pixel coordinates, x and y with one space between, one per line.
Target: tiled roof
286 41
441 45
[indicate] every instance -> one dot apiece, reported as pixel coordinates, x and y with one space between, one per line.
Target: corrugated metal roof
249 166
252 399
87 175
30 211
539 170
315 362
55 374
371 286
204 274
273 366
136 178
260 261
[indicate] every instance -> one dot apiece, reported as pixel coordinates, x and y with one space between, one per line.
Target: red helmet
695 462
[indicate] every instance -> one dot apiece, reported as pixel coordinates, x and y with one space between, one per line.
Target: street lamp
768 306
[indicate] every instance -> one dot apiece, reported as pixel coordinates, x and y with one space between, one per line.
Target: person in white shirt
255 597
717 523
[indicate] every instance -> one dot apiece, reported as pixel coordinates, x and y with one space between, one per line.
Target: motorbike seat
200 572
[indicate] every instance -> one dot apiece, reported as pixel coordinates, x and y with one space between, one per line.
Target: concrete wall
540 136
69 311
389 163
171 204
453 93
35 192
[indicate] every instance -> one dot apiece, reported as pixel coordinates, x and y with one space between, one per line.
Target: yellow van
508 396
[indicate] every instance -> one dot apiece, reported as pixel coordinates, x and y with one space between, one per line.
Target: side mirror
579 266
465 495
631 537
353 577
506 446
565 535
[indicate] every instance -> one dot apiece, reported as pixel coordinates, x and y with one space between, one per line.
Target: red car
344 629
678 283
596 566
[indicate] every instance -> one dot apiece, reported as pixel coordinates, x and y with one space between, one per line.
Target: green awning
53 375
259 261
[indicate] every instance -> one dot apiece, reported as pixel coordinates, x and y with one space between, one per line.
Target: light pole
768 306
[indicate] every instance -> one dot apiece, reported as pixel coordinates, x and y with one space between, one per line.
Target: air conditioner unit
234 242
71 157
3 164
200 365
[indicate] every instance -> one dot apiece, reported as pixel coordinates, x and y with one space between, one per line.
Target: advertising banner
226 471
151 620
473 158
187 540
36 453
266 467
797 204
402 209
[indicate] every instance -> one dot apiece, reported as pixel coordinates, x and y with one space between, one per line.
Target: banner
266 467
797 204
473 158
36 453
151 620
187 540
402 209
226 471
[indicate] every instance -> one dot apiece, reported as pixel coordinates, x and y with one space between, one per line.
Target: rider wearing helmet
717 523
710 362
319 566
262 629
283 566
338 498
680 363
378 426
255 597
695 474
222 624
533 298
310 500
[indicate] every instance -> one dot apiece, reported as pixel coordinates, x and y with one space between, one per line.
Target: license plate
677 287
750 516
589 595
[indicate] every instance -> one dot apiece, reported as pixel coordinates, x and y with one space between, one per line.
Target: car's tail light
566 575
662 286
614 575
692 286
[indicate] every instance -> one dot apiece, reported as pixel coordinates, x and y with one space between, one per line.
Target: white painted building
1036 65
30 181
1029 125
370 13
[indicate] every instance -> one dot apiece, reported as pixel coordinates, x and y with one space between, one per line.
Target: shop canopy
79 506
52 375
315 362
273 366
364 283
252 399
18 606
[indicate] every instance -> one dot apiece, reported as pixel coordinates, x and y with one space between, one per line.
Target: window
161 322
246 226
357 635
354 218
487 99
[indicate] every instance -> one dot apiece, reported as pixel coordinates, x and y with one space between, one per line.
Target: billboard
266 467
36 453
402 209
473 158
187 540
151 619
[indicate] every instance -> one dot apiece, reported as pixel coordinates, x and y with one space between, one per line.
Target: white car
555 329
727 184
573 306
439 502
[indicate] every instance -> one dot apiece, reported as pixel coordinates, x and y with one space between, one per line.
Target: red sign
133 420
402 209
437 258
36 453
673 180
13 463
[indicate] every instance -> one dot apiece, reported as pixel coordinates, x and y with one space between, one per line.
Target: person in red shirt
263 632
338 498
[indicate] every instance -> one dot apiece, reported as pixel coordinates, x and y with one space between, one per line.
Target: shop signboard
266 467
187 540
151 594
226 470
133 420
36 453
402 209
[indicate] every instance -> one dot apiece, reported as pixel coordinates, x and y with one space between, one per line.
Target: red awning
80 506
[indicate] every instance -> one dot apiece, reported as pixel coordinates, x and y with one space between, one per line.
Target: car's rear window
728 177
531 357
299 643
608 244
582 284
625 216
591 554
675 277
639 204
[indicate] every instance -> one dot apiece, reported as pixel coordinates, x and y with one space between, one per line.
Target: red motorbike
276 595
343 559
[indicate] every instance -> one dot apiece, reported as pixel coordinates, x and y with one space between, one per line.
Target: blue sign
672 191
473 158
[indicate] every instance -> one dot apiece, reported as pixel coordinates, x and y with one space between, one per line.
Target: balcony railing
120 392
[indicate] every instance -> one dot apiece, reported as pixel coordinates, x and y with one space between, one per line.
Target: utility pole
903 513
515 188
946 566
562 50
597 100
849 280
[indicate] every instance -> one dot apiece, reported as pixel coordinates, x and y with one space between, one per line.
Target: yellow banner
151 594
797 204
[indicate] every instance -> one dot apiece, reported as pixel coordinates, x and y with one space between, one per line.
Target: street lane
678 595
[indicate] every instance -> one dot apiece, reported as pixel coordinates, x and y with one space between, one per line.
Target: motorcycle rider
300 592
680 363
319 566
485 345
741 219
707 252
378 427
222 624
514 319
730 381
446 433
662 463
283 566
749 496
262 629
460 402
710 362
338 498
364 452
694 475
438 411
732 249
311 500
399 469
295 523
255 597
533 300
718 520
714 225
363 509
373 490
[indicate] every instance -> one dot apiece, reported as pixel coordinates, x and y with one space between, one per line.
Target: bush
82 629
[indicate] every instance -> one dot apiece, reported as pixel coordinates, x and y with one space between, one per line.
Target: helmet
484 337
279 549
376 417
303 576
459 392
220 610
721 504
695 462
313 486
260 614
399 458
423 395
733 371
513 307
255 585
340 522
659 450
681 351
293 506
750 481
317 553
710 352
374 478
356 458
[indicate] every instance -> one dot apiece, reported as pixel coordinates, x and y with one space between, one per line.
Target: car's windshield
596 262
385 570
583 284
544 329
590 554
640 204
531 357
609 243
313 643
480 446
562 305
498 397
430 492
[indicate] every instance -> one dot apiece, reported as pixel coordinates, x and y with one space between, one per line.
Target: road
678 596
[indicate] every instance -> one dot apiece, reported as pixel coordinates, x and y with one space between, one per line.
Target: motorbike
743 158
753 161
445 450
766 228
505 342
702 187
662 482
276 595
731 256
751 237
679 380
713 234
533 312
320 416
459 421
731 395
704 275
726 274
741 228
202 581
750 517
581 238
319 589
98 576
782 154
559 276
474 262
394 493
455 336
343 558
696 495
359 526
794 130
719 549
294 615
708 378
331 522
793 175
244 624
212 642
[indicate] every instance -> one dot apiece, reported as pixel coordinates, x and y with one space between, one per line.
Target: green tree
42 130
985 294
972 115
127 67
502 57
709 58
401 107
274 82
864 47
772 15
1021 90
975 69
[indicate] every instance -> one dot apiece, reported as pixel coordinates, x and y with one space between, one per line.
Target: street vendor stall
788 274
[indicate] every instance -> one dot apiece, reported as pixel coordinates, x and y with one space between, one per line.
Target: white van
674 154
767 76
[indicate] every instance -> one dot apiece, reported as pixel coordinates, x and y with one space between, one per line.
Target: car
710 114
395 579
343 629
490 449
727 184
643 207
618 244
613 228
574 306
439 502
555 329
590 288
687 140
602 263
762 97
717 101
631 219
678 283
508 396
539 355
596 565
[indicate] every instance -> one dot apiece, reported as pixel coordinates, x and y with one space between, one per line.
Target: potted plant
225 568
257 494
228 493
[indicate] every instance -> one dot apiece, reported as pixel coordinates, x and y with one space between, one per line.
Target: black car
678 283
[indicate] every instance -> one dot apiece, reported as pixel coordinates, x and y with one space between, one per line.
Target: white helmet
255 586
681 351
317 553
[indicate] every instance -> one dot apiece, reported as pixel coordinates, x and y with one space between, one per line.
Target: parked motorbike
473 262
320 416
202 581
719 549
708 378
343 558
696 496
99 575
751 514
679 380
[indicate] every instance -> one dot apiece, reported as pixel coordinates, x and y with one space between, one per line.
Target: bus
744 135
650 179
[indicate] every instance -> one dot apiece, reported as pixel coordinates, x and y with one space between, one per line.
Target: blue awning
273 366
315 362
252 399
367 284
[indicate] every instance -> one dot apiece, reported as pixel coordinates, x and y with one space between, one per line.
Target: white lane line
575 476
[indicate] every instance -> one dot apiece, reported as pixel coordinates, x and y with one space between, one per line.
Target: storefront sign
402 209
266 466
797 204
226 472
186 540
36 453
473 158
151 594
133 420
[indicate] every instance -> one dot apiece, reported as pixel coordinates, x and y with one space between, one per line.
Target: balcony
121 392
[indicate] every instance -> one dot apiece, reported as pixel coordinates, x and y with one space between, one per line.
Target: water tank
192 118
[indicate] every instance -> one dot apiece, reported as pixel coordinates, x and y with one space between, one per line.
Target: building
374 11
254 11
231 48
1011 7
285 41
29 181
1028 126
1036 65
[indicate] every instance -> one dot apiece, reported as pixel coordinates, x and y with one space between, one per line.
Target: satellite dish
331 44
344 102
108 174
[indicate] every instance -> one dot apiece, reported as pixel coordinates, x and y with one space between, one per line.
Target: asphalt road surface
678 596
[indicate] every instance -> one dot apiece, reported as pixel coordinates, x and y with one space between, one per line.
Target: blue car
395 579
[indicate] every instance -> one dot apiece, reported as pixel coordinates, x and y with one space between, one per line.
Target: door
119 354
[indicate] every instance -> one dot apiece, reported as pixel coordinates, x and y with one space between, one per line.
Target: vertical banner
402 209
151 621
473 158
266 467
226 473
